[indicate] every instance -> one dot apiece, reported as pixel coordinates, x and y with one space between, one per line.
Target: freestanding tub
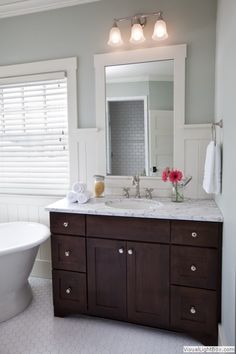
19 244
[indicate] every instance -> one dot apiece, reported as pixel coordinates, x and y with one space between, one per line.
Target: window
34 156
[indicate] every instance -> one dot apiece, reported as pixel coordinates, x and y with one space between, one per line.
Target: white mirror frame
177 53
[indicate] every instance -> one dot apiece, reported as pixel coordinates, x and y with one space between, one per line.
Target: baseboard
42 269
221 336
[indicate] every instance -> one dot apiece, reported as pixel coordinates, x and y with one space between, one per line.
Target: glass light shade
137 35
115 39
160 31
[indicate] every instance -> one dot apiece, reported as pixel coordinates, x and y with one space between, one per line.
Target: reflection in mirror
139 118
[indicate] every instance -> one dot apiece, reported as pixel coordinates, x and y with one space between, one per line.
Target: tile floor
36 331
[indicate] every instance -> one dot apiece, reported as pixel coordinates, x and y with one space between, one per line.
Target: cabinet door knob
121 250
193 310
194 234
68 290
130 252
67 253
65 224
193 268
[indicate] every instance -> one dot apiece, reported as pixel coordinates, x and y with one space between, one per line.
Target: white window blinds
34 135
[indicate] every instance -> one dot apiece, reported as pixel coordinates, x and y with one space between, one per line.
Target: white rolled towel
83 198
79 187
72 197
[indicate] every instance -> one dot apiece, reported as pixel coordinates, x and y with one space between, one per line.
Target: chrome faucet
136 183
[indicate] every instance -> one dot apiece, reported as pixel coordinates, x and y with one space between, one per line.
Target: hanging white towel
217 169
79 187
83 198
212 171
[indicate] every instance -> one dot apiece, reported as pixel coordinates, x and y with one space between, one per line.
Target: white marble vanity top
190 209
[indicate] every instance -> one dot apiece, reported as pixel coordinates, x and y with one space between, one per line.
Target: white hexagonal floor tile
37 331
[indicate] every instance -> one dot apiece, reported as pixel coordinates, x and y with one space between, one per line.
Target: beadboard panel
84 150
196 139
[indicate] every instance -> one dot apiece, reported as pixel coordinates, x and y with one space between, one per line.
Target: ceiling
9 8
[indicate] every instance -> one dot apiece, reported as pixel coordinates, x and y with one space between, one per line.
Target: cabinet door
148 283
107 278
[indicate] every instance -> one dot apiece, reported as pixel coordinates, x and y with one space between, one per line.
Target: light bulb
160 31
137 35
115 39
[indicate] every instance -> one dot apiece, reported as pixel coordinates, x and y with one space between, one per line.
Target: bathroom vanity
158 268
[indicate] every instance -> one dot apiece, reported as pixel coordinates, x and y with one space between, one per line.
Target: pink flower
175 176
165 174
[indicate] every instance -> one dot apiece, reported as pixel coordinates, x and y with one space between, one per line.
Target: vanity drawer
67 224
193 310
68 253
126 228
194 266
196 233
69 292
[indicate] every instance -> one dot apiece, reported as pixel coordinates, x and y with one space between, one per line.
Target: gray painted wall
82 31
225 108
159 93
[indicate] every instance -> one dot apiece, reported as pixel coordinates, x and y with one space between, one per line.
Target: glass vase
177 193
99 186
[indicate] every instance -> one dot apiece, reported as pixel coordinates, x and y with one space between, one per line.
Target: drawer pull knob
68 290
65 224
121 250
193 310
193 268
130 252
194 234
67 253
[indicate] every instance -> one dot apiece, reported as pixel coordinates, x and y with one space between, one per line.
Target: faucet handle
126 191
148 192
135 179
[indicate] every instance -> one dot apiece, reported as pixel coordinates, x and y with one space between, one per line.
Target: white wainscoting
84 144
196 139
83 147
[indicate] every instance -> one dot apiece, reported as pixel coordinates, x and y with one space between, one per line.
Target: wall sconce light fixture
137 24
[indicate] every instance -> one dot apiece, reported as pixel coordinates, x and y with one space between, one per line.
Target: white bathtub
19 244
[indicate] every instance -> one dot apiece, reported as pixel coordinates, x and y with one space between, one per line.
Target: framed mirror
139 118
140 106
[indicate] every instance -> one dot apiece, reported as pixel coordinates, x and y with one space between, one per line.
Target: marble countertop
190 209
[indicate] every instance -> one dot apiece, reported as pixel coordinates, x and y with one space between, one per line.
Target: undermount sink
131 204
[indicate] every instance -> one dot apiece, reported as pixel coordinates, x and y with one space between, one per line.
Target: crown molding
10 8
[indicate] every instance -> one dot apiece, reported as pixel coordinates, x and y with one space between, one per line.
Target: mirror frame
178 54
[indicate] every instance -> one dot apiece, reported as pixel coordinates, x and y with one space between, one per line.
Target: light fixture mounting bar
138 16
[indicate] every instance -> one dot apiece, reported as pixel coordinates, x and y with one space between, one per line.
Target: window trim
69 66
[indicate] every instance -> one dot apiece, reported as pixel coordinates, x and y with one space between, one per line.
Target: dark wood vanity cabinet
161 273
